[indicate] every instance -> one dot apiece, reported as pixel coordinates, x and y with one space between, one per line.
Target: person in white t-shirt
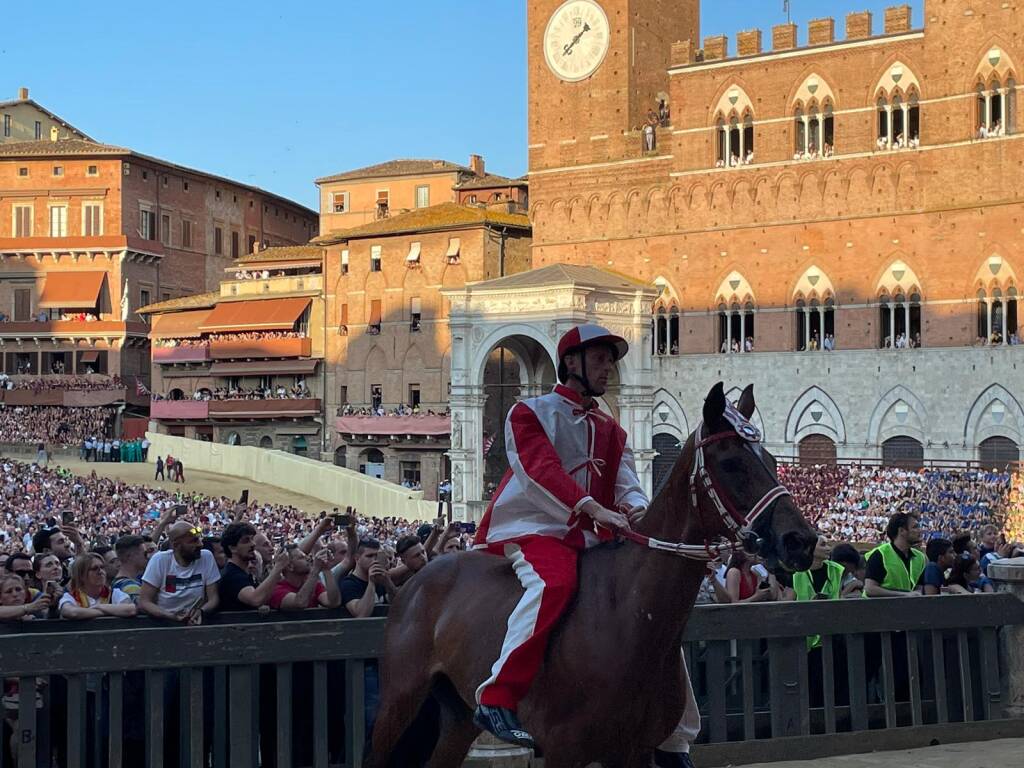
181 584
88 596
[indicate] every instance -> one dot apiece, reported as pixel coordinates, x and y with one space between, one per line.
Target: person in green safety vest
896 567
822 581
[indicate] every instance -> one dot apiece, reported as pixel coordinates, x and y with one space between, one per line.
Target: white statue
456 431
124 302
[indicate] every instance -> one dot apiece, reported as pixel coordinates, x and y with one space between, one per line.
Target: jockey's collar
577 399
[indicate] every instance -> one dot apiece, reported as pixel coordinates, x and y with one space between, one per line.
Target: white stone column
821 134
988 110
467 405
807 132
888 123
743 143
1002 109
821 327
892 324
905 109
728 332
988 308
807 328
906 321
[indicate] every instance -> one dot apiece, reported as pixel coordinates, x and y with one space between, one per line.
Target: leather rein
702 482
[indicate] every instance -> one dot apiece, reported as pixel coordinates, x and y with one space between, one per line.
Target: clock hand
567 50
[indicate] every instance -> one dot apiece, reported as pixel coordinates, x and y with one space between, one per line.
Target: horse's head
726 470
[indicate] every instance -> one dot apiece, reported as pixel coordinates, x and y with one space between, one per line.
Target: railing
180 354
294 688
179 409
242 348
72 328
270 408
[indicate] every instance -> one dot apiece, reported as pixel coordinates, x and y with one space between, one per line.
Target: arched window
667 449
748 139
898 105
266 442
721 144
914 121
996 102
997 316
904 452
800 131
661 332
899 308
817 449
340 456
673 331
175 394
997 453
234 438
829 131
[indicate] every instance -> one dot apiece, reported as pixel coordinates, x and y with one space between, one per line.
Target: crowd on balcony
174 343
903 341
256 274
899 142
298 391
257 335
997 130
64 383
996 339
399 410
54 424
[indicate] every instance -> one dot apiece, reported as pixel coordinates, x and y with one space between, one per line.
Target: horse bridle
739 525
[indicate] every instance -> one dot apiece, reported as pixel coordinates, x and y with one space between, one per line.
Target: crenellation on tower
897 19
859 25
821 31
748 43
683 53
784 37
716 47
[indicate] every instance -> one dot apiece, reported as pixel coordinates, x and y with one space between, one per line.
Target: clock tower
596 68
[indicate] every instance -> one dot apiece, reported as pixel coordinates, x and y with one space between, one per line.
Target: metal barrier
291 690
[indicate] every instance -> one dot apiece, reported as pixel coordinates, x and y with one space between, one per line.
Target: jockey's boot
503 724
672 759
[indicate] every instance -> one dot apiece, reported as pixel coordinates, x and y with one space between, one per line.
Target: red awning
72 290
394 425
179 325
262 315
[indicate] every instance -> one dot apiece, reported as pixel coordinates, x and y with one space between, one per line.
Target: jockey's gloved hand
635 513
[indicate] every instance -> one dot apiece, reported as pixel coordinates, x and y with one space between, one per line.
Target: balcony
259 348
179 409
169 355
263 409
268 287
72 329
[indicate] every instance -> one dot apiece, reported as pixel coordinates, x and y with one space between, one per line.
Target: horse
612 685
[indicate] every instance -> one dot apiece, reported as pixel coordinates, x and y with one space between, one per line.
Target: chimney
23 94
54 133
476 165
784 37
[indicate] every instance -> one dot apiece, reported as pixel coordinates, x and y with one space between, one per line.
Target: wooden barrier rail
290 689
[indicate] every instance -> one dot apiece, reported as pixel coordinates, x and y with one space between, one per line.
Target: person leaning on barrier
132 559
369 583
237 587
180 584
413 557
88 596
853 568
940 556
300 586
895 568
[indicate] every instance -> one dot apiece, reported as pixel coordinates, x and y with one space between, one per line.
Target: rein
738 524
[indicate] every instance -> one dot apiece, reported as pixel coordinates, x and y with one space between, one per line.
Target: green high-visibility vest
803 585
897 577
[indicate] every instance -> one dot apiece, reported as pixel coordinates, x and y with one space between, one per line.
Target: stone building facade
866 188
89 233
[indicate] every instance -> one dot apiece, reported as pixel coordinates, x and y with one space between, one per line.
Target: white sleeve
210 573
628 491
66 599
117 597
155 573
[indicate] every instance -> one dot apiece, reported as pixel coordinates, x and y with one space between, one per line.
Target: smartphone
244 498
382 558
179 510
67 517
764 584
341 521
50 588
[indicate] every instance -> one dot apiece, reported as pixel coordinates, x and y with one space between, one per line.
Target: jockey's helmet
587 335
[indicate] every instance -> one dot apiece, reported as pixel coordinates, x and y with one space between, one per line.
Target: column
988 110
743 143
906 320
888 124
821 327
1006 321
1002 116
728 332
821 134
988 307
728 145
807 328
905 108
892 324
807 132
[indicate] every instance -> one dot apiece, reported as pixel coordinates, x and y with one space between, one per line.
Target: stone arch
482 348
897 77
898 277
414 370
668 297
756 419
733 102
813 283
375 369
815 413
669 416
995 271
734 287
994 413
889 418
994 62
813 91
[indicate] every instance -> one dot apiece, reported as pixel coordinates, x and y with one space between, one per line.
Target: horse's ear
714 405
746 403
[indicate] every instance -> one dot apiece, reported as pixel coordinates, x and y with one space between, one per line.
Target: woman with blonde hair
88 596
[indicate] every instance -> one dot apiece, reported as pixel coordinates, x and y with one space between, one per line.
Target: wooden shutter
22 305
375 312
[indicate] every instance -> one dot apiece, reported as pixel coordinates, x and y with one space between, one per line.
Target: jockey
571 483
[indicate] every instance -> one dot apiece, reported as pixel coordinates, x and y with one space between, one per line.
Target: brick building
864 187
89 233
243 365
388 343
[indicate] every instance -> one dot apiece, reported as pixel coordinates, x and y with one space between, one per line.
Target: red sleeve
281 591
314 601
536 462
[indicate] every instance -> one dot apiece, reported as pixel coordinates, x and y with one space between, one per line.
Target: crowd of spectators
54 424
39 384
399 410
297 391
257 335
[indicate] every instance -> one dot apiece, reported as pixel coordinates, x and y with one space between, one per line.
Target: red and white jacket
560 455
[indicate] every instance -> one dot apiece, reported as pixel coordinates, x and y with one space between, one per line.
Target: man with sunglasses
181 584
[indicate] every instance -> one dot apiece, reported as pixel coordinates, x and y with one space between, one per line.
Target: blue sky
277 95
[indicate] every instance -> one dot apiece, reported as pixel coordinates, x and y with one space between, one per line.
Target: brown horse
611 687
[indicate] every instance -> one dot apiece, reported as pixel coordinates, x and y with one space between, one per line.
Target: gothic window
997 316
734 129
815 325
666 331
736 313
899 115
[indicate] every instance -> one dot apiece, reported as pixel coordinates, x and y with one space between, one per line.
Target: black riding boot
503 724
672 759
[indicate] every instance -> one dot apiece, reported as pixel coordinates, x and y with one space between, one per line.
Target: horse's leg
457 735
401 708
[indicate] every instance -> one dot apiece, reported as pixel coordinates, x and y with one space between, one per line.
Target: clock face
576 39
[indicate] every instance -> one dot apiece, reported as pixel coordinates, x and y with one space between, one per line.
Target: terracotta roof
489 180
45 111
436 217
195 301
559 275
82 148
397 168
283 253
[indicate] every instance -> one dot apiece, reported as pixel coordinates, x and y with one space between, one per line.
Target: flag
140 388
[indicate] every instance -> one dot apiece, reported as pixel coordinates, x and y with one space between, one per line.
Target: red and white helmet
587 335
